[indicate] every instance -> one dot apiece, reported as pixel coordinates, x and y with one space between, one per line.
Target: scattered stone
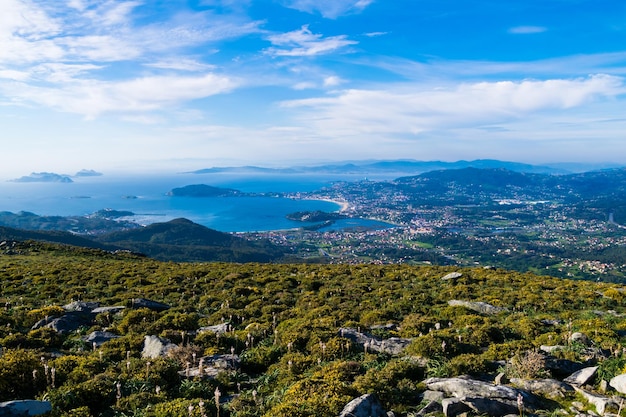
99 337
551 322
452 275
550 349
212 366
364 406
619 383
154 347
392 346
478 306
604 385
601 402
580 378
24 408
152 305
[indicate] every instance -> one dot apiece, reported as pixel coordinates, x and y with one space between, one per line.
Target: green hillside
282 324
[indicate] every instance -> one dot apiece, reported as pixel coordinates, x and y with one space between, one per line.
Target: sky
170 85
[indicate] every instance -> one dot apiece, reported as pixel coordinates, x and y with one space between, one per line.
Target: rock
432 396
619 383
365 406
490 406
477 306
154 347
562 367
580 378
453 407
218 328
452 275
550 388
111 309
471 388
99 337
82 306
152 305
212 366
500 379
70 322
579 337
24 408
433 407
601 402
392 346
550 349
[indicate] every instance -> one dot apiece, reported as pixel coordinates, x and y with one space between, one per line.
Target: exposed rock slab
550 388
619 383
364 406
602 403
452 275
580 378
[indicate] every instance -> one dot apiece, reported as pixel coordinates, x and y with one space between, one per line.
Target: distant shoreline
343 205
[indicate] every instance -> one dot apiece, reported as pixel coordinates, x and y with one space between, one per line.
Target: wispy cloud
330 9
402 111
303 42
527 30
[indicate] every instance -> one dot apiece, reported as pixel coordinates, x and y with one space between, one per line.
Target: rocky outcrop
602 403
364 406
218 328
478 306
24 408
392 346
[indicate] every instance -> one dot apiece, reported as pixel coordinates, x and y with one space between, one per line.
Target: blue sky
178 85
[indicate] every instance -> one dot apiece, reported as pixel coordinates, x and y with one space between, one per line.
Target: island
203 190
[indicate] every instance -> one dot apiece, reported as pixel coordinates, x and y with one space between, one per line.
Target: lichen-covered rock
98 337
619 383
581 377
150 304
452 275
549 388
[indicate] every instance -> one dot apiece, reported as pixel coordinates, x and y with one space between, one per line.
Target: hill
11 234
185 241
150 338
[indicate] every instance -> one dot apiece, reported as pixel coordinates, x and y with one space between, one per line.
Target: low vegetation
283 324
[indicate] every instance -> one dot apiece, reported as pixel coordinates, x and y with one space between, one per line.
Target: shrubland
284 324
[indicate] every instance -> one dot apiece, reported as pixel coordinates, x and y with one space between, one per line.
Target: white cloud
330 9
527 30
303 42
181 64
402 111
332 81
93 98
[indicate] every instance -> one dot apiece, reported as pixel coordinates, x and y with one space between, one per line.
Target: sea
147 197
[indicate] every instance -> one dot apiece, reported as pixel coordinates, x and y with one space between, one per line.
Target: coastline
343 205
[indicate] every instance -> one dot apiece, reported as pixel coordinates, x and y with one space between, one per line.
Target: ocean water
147 198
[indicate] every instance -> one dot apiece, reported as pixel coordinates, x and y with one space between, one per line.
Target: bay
147 198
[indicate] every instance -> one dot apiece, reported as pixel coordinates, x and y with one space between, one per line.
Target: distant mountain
406 167
103 220
185 241
44 177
